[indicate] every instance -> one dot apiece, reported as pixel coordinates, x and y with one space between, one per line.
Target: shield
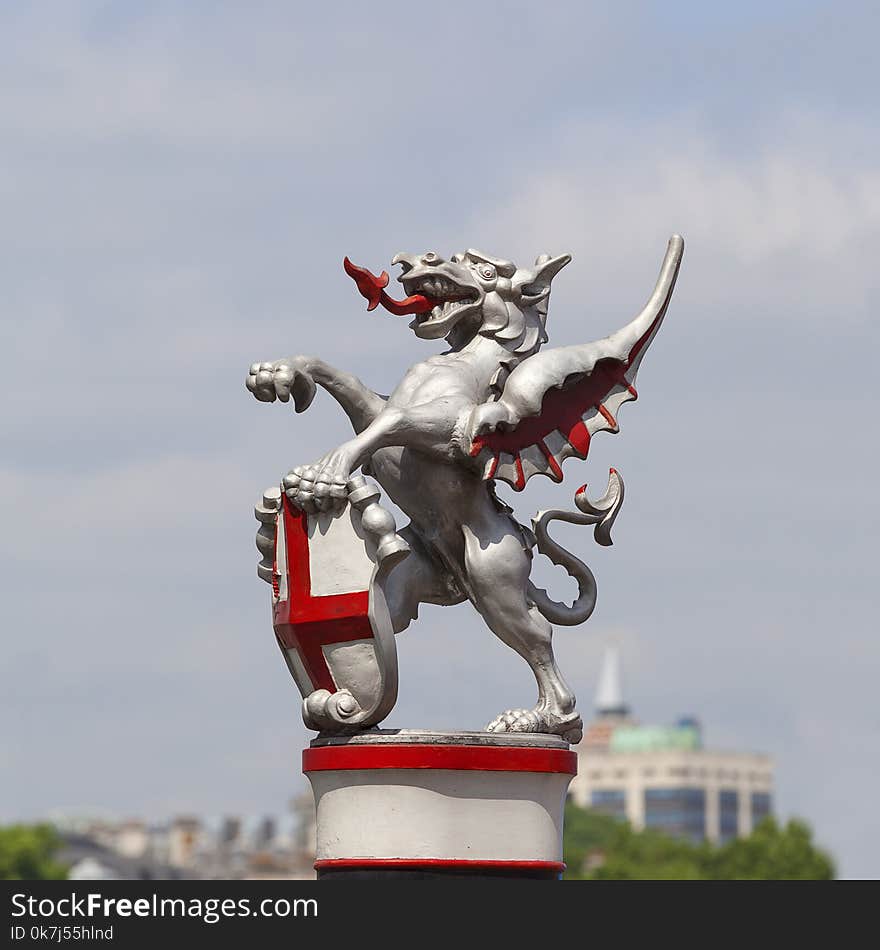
329 610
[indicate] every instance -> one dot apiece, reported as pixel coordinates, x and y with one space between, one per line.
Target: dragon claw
315 490
282 380
569 726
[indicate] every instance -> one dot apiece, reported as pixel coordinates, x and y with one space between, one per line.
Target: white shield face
324 566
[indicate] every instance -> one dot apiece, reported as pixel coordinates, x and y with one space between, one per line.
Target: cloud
790 227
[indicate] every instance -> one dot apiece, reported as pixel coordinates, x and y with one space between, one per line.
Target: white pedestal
420 804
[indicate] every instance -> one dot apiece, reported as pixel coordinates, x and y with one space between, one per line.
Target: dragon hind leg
497 571
419 579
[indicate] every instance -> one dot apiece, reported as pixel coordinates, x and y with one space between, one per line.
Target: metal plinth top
522 740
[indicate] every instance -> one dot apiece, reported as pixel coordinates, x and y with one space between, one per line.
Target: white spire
609 695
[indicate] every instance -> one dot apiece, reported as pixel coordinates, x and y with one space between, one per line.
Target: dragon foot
314 491
569 726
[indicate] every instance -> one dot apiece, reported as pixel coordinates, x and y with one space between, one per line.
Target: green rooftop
654 738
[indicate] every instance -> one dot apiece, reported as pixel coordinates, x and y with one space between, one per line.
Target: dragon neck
492 361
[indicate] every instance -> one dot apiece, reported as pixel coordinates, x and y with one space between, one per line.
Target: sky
179 184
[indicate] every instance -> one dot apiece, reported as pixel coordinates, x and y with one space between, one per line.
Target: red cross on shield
329 611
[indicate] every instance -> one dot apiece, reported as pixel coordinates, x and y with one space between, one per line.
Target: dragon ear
537 283
546 268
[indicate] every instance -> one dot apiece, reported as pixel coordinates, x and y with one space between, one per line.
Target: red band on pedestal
453 757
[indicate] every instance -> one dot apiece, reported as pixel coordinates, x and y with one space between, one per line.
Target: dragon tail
600 513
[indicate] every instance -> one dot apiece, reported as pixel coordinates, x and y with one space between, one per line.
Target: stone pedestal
411 804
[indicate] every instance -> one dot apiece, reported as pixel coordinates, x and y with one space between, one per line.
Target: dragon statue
493 406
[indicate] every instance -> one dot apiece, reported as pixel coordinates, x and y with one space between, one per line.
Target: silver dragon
493 406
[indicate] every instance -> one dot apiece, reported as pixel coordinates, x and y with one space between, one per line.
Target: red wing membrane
554 402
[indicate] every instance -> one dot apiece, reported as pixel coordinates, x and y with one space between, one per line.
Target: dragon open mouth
450 302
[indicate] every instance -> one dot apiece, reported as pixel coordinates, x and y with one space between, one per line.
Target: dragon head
471 291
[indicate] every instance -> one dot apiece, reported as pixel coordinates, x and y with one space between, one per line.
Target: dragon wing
554 402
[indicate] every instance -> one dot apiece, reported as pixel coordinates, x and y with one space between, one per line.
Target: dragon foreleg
297 376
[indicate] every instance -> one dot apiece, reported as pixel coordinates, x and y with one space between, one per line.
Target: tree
772 852
649 855
27 853
587 835
597 847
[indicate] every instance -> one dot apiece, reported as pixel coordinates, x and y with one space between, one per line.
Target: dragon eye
487 271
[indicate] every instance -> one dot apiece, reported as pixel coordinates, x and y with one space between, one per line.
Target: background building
191 846
662 777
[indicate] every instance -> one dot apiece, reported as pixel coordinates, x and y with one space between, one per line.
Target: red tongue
372 287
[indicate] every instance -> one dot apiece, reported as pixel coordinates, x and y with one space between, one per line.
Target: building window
680 812
762 806
609 801
728 805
